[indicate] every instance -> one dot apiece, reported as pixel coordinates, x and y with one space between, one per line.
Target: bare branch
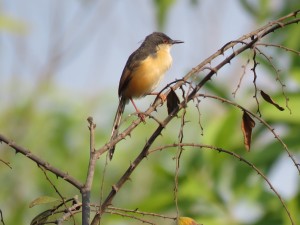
255 63
56 190
6 163
86 189
244 67
221 150
277 78
279 46
177 159
1 219
271 129
248 40
141 213
130 216
41 162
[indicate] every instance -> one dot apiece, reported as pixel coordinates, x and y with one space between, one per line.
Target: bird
143 71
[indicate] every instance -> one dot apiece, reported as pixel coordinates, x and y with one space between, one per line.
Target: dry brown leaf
247 125
172 101
267 98
187 221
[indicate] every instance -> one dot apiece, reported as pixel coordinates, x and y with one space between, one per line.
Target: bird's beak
176 42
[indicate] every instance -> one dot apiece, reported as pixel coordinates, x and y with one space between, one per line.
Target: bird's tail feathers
116 124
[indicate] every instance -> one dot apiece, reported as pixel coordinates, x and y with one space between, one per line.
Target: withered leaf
267 98
247 125
172 101
187 221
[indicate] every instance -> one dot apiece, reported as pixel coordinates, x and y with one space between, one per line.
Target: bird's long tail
116 124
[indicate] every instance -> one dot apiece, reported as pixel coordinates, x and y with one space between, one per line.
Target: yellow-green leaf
43 200
41 218
13 25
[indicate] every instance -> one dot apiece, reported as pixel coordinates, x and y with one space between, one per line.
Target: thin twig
130 216
57 191
236 156
177 158
142 213
271 129
277 78
6 163
279 46
244 67
254 37
255 63
2 219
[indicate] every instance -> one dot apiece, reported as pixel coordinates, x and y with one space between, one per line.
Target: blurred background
61 61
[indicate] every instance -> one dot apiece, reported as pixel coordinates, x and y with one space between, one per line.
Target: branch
271 129
6 163
221 150
41 162
86 189
1 217
247 42
277 78
142 213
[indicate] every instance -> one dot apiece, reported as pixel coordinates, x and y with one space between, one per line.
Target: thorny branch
251 37
247 42
140 212
236 156
271 129
277 78
57 191
255 63
41 162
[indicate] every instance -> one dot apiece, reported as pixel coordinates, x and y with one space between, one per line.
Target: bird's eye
165 41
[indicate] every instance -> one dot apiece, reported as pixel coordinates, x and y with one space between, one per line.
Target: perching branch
247 42
208 68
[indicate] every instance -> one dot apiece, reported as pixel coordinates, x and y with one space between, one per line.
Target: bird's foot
142 116
162 96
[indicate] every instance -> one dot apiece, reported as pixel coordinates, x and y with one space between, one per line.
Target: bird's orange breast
146 76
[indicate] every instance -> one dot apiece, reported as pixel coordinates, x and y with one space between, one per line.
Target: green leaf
43 200
12 25
162 9
41 218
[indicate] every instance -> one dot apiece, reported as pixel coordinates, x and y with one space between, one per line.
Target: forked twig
277 78
271 129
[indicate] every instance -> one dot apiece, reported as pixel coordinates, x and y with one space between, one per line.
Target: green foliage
12 25
263 10
162 9
212 185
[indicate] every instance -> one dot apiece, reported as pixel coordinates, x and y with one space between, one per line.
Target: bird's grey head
158 38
